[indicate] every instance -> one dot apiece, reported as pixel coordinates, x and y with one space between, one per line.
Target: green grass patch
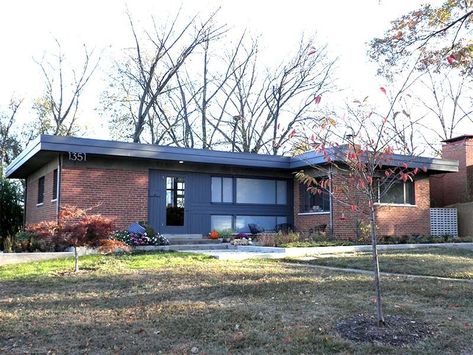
109 264
443 262
172 302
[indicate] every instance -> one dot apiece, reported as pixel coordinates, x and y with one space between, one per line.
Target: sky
28 29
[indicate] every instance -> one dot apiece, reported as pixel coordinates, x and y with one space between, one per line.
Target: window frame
304 195
275 183
221 178
55 185
405 194
40 197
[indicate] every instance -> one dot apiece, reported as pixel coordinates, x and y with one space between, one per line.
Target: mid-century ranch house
192 191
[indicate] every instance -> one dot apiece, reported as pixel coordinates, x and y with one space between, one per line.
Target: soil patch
398 331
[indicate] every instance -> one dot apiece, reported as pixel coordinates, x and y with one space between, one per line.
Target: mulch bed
398 331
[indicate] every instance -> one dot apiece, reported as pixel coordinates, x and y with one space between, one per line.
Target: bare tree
153 65
9 143
267 111
57 109
448 105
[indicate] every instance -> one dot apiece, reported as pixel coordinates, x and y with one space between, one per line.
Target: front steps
191 239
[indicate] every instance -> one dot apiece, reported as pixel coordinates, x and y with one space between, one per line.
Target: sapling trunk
377 286
76 260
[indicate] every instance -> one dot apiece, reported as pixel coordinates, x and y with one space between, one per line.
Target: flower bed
137 239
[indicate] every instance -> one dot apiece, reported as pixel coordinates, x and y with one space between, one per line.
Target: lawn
176 303
444 262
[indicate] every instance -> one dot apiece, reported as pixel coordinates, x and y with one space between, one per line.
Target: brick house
456 190
191 191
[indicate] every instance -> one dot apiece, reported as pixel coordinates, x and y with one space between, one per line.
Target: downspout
58 187
331 203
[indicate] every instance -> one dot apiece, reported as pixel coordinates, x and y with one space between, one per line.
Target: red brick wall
46 211
451 188
119 194
392 220
407 220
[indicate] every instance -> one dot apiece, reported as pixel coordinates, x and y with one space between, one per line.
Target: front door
174 216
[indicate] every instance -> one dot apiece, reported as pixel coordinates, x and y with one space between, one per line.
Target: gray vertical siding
198 205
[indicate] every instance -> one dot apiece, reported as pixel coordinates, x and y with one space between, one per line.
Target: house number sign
76 156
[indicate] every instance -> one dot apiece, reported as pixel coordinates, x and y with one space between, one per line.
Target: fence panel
443 221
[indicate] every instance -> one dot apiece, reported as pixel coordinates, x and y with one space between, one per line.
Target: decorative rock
194 350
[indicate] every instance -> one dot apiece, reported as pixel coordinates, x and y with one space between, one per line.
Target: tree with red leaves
76 228
364 162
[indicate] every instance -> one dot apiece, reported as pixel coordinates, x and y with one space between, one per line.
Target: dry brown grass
152 303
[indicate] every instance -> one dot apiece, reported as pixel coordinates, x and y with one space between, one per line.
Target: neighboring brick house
191 191
456 190
457 187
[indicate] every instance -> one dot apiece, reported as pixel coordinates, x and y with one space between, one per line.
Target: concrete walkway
367 272
249 252
229 252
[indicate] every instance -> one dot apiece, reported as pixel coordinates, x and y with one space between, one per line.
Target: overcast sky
27 29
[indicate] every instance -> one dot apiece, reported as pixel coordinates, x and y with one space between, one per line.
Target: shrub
76 229
11 216
225 234
109 246
150 232
25 241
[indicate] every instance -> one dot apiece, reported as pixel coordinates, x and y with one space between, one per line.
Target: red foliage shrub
76 228
108 246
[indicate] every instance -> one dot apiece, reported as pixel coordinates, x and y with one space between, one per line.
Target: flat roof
459 138
44 148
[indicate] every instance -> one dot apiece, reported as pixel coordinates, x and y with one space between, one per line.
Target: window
175 190
55 180
41 190
261 191
222 189
221 222
311 202
269 223
399 192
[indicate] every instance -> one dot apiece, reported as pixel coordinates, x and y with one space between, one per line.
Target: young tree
361 158
75 228
78 229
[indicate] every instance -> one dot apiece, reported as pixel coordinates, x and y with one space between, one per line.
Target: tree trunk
76 260
379 306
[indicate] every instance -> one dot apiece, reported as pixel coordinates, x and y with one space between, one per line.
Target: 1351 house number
75 156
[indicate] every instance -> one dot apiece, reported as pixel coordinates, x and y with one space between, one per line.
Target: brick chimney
448 189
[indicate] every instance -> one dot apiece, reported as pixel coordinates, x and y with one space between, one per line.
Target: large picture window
399 192
261 191
313 202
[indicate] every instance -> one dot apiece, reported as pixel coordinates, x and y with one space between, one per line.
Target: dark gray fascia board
155 152
335 154
145 151
31 150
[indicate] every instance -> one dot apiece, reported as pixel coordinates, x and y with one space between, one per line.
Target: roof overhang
45 148
432 165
